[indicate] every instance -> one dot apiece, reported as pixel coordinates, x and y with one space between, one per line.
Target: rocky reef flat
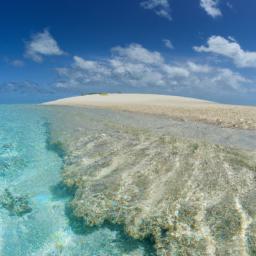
189 187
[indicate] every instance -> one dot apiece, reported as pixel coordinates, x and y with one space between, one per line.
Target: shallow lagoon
30 168
32 140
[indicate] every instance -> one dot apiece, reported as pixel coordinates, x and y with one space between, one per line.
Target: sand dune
181 108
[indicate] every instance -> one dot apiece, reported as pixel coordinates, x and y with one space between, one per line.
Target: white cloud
175 72
168 44
136 66
230 49
160 7
226 76
137 53
84 64
90 66
42 44
211 7
197 68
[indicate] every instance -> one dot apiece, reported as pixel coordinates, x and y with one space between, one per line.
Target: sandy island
180 108
188 196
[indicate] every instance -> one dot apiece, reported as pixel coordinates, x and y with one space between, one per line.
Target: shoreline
179 108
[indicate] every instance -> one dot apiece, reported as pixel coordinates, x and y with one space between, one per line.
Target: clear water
28 167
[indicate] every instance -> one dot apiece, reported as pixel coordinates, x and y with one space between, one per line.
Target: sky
197 48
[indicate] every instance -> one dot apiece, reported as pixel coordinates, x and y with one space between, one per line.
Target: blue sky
199 48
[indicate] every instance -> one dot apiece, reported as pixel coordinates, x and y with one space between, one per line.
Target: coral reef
16 205
191 197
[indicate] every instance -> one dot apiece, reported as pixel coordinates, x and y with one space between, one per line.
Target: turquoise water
34 219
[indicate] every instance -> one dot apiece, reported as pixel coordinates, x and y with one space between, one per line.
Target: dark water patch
79 227
51 145
251 239
61 191
10 164
15 204
4 166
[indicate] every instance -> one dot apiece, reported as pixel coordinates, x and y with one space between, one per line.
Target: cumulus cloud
233 79
160 7
85 64
198 68
231 49
168 44
137 53
211 7
42 44
92 67
136 66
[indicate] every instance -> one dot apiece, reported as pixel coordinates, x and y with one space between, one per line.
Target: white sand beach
181 108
